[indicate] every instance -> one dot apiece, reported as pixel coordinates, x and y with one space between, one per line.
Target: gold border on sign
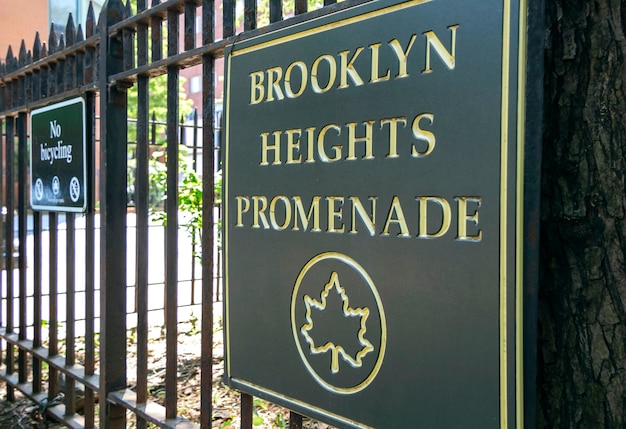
504 197
519 247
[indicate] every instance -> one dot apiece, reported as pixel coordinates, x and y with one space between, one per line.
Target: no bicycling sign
58 157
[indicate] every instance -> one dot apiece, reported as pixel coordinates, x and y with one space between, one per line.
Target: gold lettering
293 146
369 220
310 155
446 215
320 144
314 212
287 205
402 55
303 80
367 139
375 76
423 135
332 73
433 41
266 147
335 214
243 205
393 134
396 215
464 218
259 212
257 90
274 75
347 69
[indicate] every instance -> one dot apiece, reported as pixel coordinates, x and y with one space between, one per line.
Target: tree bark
582 313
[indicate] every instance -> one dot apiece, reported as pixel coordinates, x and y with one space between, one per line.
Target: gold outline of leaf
336 350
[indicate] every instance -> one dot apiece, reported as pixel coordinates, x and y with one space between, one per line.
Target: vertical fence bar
156 40
60 68
228 18
141 208
129 41
276 10
300 6
295 420
69 72
53 333
21 222
90 262
80 60
10 183
37 296
190 25
113 136
36 83
90 53
70 310
37 247
3 258
171 230
21 82
249 15
208 197
194 166
246 411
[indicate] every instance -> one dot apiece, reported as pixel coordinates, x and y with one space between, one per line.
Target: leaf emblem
337 350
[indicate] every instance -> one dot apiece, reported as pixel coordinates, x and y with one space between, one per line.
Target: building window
195 84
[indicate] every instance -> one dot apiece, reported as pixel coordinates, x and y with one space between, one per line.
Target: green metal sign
373 215
58 160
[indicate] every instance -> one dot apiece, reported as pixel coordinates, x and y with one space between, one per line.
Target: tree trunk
582 313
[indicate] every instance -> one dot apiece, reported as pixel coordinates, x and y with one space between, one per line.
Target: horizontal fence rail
78 291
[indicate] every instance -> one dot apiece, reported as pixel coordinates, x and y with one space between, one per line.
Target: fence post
113 136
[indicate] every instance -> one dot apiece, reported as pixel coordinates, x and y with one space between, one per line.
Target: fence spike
22 54
52 40
70 31
29 57
44 50
141 5
117 8
9 57
90 22
155 2
128 11
61 43
79 34
37 47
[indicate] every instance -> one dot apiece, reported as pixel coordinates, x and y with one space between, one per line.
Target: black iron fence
65 306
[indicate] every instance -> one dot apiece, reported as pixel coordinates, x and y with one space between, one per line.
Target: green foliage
280 421
157 95
189 194
257 420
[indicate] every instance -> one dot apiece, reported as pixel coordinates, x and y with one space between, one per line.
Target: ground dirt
22 414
